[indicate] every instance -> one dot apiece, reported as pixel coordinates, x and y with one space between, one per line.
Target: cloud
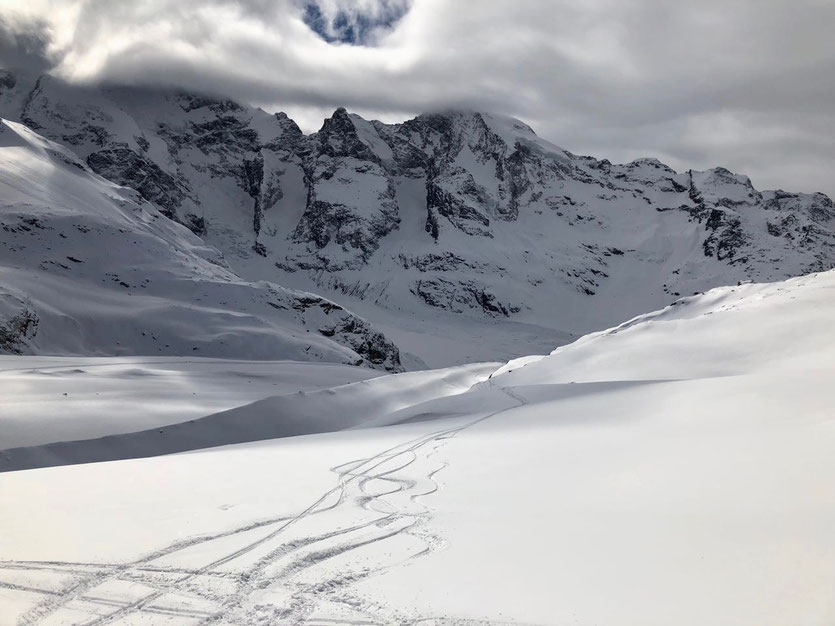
746 84
24 45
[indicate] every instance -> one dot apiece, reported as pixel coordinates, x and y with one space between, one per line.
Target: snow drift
365 403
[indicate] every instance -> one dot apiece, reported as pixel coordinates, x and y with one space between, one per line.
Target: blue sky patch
353 26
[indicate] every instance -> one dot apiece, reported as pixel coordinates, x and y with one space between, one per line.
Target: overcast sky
746 84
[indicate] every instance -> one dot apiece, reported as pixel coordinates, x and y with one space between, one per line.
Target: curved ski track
227 589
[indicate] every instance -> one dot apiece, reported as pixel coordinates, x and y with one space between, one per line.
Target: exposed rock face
88 267
7 79
18 323
458 296
119 163
463 212
351 201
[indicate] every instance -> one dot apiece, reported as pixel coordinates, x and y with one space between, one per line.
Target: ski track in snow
279 562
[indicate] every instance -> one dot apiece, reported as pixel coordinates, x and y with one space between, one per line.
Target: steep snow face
89 267
450 216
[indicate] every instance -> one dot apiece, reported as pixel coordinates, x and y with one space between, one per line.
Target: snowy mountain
90 267
462 235
675 469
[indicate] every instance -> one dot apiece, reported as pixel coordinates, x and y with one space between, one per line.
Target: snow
369 136
721 186
773 327
675 469
48 399
678 503
573 245
104 273
364 403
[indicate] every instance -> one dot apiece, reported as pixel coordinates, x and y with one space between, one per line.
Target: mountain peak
462 213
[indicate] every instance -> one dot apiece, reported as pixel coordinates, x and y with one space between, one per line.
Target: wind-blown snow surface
90 268
364 403
49 399
676 469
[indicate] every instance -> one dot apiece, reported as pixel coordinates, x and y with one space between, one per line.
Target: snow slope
90 268
49 399
676 469
462 227
359 404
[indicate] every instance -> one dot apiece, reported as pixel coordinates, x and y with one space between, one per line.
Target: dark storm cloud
24 45
747 84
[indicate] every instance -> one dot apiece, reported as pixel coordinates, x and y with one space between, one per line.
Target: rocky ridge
450 213
89 267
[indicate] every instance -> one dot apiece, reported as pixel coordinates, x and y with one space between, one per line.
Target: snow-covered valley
393 374
674 469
